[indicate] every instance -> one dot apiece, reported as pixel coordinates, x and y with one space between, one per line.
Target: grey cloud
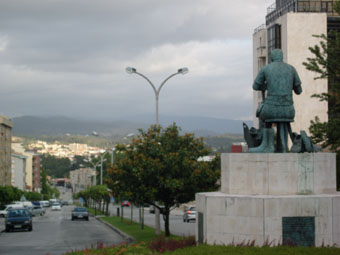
70 56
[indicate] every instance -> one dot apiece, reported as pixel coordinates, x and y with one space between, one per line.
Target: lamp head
183 70
130 70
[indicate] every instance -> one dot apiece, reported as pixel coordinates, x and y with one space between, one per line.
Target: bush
162 244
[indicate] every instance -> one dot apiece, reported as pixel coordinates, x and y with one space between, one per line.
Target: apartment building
82 179
6 126
19 171
291 26
36 183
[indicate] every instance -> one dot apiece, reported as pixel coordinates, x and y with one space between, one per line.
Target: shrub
162 244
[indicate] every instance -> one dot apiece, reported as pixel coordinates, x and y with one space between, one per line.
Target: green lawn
132 228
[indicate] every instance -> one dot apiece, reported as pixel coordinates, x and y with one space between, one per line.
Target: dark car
18 218
80 213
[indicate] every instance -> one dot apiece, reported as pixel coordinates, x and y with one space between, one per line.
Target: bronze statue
279 80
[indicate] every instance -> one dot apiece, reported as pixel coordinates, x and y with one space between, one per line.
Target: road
55 233
177 226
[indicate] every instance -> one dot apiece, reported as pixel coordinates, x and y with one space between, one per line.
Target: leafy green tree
161 167
56 167
325 63
32 196
9 194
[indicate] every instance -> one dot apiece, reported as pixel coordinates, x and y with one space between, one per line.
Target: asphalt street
55 233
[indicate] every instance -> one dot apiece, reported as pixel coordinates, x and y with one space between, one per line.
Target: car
125 203
56 206
4 212
18 218
38 210
80 213
45 203
151 209
64 203
189 214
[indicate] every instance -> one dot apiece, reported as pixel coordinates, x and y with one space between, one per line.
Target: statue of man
279 80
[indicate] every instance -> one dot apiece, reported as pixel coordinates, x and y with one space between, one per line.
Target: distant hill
201 126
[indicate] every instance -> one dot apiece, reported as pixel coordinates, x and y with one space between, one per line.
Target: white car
56 207
4 212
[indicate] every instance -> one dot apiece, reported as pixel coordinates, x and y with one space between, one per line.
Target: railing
271 8
259 28
300 6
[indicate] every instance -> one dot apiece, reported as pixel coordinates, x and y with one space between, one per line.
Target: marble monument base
272 199
233 219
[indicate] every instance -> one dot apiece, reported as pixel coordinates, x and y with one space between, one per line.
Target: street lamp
132 70
94 165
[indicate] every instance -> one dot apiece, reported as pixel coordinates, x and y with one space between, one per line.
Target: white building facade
19 171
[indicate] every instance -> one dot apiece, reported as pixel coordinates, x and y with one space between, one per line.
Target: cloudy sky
68 57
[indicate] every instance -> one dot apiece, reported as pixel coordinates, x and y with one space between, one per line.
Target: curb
129 238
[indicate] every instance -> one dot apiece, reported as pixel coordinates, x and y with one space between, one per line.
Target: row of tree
9 194
97 197
162 168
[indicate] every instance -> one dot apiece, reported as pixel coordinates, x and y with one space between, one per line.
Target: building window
274 39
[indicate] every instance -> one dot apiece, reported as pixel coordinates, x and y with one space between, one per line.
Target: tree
9 194
161 167
325 62
56 167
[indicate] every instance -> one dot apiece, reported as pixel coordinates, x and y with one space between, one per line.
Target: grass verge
132 228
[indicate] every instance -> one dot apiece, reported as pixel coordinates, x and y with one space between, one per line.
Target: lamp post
94 165
132 70
102 160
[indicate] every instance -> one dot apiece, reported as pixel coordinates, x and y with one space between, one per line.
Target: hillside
60 126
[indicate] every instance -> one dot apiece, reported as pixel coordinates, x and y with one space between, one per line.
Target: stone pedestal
272 199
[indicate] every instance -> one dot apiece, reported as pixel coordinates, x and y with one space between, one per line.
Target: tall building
36 183
19 171
291 26
6 126
32 167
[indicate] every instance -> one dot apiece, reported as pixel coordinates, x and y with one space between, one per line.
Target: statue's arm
260 81
297 83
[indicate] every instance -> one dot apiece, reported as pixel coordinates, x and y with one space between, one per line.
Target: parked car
125 203
4 212
18 218
45 203
56 207
189 214
80 213
38 210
